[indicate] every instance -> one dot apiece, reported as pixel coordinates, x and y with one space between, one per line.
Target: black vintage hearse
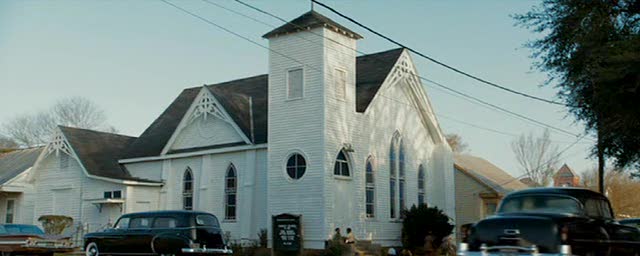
159 233
552 221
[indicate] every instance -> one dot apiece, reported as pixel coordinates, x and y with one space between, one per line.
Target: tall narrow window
392 179
370 189
341 167
295 81
230 191
420 185
10 211
187 190
401 187
340 81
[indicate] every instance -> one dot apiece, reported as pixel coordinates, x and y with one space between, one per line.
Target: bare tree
35 129
537 156
78 112
621 189
456 143
7 143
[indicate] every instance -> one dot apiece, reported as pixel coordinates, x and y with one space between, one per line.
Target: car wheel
92 249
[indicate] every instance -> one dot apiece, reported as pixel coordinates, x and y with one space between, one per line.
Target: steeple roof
308 21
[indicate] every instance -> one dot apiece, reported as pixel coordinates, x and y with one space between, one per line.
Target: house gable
96 155
206 124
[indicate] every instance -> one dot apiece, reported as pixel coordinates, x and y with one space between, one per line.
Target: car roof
18 225
168 212
632 220
573 192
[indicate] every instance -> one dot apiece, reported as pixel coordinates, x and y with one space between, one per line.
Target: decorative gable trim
405 71
207 105
204 106
59 144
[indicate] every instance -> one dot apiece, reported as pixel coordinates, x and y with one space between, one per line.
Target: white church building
340 139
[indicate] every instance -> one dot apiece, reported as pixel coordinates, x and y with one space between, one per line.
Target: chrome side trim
207 250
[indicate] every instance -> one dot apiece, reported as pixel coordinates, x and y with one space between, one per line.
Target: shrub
422 220
336 247
55 224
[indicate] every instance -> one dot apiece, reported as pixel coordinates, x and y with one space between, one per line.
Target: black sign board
286 232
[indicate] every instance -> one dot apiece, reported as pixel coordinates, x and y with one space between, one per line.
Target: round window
296 166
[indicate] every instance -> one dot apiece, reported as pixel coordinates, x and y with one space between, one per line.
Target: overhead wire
293 59
459 93
457 70
262 46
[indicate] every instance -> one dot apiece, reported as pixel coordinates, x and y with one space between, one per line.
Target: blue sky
133 58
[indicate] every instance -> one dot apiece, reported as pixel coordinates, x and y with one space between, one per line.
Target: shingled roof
310 20
371 72
487 173
99 152
235 97
16 162
157 135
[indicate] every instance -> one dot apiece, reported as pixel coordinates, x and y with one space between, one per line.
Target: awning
99 203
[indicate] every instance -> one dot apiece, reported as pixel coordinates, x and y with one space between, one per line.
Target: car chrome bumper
207 251
565 250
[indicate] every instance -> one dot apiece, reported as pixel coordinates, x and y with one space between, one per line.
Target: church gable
403 85
206 124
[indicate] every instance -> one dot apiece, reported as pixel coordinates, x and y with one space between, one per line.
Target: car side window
123 223
140 223
164 222
206 220
597 208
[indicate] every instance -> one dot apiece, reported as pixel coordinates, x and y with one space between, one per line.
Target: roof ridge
95 131
309 20
237 80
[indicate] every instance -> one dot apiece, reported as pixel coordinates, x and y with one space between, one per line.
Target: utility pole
600 158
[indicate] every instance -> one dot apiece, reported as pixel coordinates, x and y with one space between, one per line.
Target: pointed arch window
401 185
341 167
187 190
421 185
370 189
392 176
230 191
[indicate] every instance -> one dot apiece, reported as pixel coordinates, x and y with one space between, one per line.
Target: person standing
351 241
337 236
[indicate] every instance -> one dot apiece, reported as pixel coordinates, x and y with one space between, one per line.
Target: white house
16 195
77 175
343 141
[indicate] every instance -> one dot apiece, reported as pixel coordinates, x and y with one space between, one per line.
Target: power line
498 107
472 98
465 122
293 59
283 55
551 159
457 70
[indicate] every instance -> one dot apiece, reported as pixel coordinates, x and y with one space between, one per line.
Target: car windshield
20 229
540 203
